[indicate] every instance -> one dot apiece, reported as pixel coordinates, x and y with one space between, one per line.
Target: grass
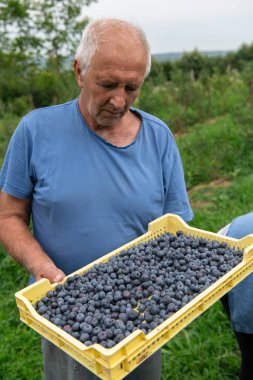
215 205
7 126
20 356
213 150
205 350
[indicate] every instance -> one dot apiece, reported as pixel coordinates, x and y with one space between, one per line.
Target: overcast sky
183 25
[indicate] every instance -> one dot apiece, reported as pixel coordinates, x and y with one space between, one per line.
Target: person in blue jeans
92 173
238 303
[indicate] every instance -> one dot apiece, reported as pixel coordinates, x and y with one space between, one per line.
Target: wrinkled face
111 84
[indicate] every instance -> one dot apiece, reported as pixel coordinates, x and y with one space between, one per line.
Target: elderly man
92 173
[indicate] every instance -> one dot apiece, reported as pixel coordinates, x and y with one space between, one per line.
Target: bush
223 148
20 105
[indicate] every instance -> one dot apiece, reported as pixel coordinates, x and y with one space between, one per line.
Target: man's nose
118 101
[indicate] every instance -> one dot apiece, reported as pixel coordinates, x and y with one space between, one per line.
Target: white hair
93 34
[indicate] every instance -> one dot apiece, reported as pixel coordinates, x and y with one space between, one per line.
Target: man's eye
107 85
131 88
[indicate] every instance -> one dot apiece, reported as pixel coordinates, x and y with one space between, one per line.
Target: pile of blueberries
137 289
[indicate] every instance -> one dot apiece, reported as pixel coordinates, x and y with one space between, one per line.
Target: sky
184 25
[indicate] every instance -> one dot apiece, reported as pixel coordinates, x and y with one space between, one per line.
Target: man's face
110 85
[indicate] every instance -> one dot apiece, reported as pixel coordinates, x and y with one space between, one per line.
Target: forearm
24 248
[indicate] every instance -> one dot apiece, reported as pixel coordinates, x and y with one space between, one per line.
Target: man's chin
109 121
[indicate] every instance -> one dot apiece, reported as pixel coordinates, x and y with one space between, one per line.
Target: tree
192 62
35 38
156 75
167 69
44 28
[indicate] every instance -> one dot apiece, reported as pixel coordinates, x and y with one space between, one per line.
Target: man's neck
122 133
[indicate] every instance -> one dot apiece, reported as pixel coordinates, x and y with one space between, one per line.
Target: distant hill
160 57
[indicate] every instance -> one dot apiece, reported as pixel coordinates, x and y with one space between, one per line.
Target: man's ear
78 75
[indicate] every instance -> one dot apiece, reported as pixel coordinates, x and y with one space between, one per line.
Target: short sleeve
16 176
176 198
224 231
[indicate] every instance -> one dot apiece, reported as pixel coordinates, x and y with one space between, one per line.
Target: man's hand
51 272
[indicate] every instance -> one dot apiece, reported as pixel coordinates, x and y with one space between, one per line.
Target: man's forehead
123 57
118 76
118 39
118 69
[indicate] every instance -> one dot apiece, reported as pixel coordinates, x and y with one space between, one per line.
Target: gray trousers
60 366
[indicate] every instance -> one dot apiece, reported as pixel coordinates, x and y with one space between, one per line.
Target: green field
217 157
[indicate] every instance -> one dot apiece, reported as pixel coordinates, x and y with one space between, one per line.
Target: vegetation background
208 104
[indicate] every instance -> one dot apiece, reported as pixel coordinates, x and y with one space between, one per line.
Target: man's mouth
115 113
118 112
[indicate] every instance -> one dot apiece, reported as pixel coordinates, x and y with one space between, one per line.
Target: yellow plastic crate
117 362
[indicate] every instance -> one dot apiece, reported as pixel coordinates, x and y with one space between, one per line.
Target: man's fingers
59 276
52 273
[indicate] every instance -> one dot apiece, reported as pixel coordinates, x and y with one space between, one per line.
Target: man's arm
19 241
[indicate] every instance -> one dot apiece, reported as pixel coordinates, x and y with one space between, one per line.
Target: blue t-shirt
88 196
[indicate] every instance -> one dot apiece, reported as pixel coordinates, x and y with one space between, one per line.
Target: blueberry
94 322
76 326
132 314
155 297
70 279
110 343
45 300
108 322
141 308
153 325
96 330
102 336
58 322
171 307
87 328
67 328
118 338
223 268
42 310
154 309
133 302
84 337
80 317
148 317
88 319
